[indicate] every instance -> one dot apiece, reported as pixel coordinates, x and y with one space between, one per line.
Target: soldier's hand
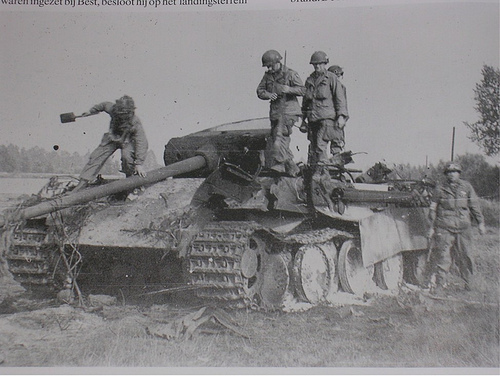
273 97
482 228
85 114
341 122
139 170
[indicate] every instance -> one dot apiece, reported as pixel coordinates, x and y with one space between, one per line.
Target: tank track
29 256
214 262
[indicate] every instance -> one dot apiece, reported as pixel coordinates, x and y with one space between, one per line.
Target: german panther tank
215 221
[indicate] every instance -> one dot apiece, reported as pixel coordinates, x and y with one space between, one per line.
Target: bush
491 212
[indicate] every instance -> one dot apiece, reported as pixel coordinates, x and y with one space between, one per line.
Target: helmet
319 57
452 166
270 57
336 70
124 105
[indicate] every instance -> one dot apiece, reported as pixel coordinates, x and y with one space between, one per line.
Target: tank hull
225 228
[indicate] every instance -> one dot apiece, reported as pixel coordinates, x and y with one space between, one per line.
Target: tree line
484 177
37 160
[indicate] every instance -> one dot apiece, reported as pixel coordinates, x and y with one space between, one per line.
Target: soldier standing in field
324 111
454 205
281 86
125 133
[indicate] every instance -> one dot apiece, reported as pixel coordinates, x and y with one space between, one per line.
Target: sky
410 70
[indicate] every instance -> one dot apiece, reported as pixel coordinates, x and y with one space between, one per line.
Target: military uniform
324 101
283 113
127 135
453 206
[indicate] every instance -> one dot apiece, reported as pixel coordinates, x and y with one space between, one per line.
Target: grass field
410 329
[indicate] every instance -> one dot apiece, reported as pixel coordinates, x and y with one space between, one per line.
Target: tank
216 222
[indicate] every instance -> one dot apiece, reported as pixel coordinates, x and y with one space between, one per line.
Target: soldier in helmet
125 133
454 205
324 111
281 86
339 72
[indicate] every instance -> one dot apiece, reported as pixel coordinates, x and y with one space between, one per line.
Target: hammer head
68 117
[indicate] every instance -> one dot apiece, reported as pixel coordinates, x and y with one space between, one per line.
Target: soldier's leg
311 151
291 167
128 168
128 159
441 255
271 146
337 142
321 148
96 160
461 256
268 153
281 142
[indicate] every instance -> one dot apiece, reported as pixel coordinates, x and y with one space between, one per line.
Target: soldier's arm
433 211
306 103
305 108
104 106
141 143
262 93
339 99
475 207
296 87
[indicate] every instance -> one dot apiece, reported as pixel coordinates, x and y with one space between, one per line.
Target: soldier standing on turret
324 111
454 204
339 72
281 86
125 133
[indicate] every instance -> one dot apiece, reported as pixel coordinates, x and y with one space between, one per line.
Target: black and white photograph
249 187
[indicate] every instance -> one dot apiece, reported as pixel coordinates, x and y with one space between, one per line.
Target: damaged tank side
225 227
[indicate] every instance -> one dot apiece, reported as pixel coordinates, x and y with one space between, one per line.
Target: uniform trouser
451 247
318 142
337 138
278 146
101 154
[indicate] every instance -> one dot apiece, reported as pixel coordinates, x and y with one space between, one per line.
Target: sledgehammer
70 117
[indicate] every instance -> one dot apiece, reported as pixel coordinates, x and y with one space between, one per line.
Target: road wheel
389 273
266 277
314 271
354 277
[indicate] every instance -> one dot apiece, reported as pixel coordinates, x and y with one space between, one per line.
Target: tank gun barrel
353 195
86 195
386 197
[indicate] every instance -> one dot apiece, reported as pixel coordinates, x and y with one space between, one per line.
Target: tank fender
391 231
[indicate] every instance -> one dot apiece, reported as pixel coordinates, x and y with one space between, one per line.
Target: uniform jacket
325 97
286 104
456 205
125 131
